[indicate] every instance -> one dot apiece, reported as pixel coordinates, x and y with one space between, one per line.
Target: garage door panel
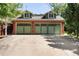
37 29
57 29
19 29
44 29
27 29
51 30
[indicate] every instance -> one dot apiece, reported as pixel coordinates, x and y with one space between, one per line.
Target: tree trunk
5 26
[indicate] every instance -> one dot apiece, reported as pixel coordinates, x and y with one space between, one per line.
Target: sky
36 8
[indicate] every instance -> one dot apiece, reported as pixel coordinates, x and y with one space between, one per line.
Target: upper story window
26 15
49 15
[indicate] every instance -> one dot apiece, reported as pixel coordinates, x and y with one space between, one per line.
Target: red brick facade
61 22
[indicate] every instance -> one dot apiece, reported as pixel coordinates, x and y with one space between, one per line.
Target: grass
72 36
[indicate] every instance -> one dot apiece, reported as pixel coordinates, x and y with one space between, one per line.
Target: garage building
48 23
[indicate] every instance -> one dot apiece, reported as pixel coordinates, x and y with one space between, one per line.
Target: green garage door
44 28
23 28
27 28
37 28
51 29
57 29
19 29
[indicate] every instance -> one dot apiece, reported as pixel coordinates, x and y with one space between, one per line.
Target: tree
71 15
58 8
8 10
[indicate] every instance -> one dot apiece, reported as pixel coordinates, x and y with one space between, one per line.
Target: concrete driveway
38 45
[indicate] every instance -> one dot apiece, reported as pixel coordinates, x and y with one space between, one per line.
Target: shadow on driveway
63 42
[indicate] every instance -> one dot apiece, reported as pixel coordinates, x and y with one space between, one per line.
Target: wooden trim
33 27
14 27
62 28
42 20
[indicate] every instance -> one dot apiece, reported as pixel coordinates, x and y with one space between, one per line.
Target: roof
59 17
37 17
41 17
